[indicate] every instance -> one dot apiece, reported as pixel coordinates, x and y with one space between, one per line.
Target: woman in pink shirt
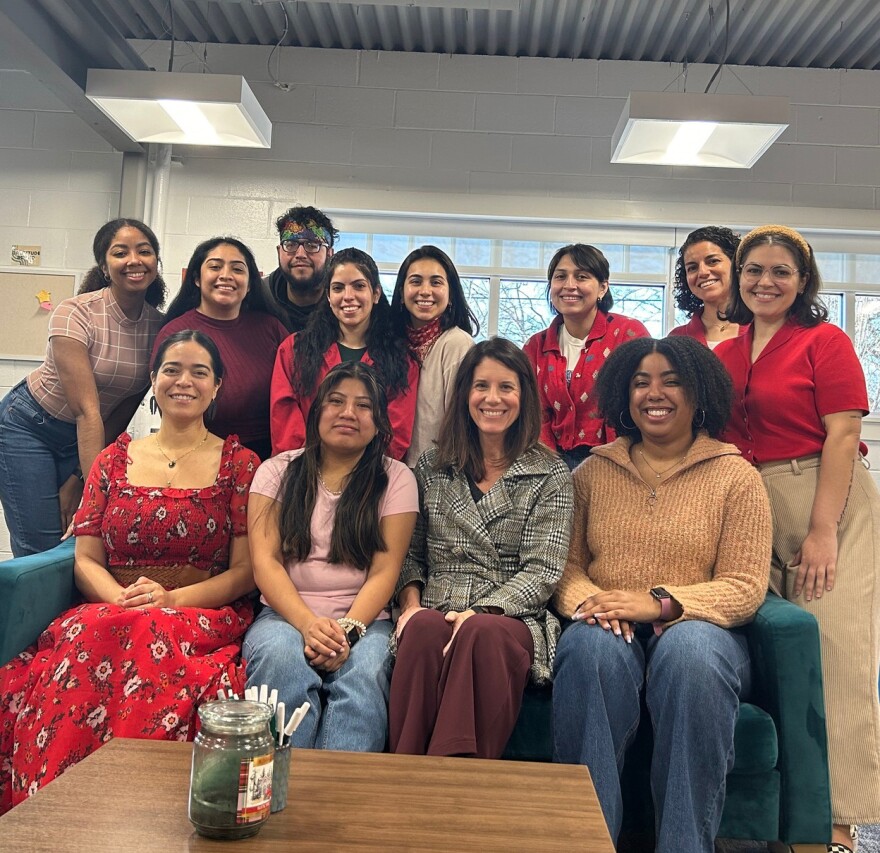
54 423
330 527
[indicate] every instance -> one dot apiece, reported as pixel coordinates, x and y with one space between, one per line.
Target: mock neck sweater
704 535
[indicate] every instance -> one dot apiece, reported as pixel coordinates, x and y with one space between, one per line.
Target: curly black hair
724 239
703 377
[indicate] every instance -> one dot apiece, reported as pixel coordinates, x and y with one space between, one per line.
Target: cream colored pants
849 625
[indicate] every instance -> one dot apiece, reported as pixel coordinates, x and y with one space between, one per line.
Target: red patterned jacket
570 413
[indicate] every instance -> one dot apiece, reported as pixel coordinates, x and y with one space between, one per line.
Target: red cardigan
570 414
288 411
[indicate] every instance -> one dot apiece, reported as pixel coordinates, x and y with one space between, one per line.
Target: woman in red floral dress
162 558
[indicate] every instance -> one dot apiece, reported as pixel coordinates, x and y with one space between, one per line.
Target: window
867 340
504 278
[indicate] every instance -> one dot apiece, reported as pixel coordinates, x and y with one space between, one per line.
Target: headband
306 230
771 231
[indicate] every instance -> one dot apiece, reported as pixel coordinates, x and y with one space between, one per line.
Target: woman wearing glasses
799 400
351 323
223 296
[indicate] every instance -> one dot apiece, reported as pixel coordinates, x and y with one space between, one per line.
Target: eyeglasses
312 247
779 274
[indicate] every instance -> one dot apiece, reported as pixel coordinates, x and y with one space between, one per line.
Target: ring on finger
150 599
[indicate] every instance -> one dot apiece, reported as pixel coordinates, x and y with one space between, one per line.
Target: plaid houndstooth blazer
508 550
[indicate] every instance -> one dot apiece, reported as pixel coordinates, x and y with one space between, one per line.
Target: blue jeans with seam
38 453
693 676
349 707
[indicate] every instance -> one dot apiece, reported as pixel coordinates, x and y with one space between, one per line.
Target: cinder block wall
427 133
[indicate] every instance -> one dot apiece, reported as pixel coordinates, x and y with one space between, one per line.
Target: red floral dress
101 671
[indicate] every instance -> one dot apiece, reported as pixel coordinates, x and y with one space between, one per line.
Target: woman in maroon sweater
224 297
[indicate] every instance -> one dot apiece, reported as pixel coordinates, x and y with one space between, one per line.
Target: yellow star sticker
44 296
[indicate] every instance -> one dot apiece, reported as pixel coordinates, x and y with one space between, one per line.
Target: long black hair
388 350
95 279
356 535
458 312
189 297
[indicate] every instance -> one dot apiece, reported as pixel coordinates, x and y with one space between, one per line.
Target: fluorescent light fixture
683 129
181 109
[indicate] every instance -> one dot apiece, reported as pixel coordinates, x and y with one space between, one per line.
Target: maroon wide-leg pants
467 702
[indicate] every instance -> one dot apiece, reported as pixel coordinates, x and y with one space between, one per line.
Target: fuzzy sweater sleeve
742 567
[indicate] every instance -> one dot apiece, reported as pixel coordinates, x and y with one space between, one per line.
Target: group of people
421 548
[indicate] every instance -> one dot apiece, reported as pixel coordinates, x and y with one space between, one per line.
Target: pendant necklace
659 474
172 463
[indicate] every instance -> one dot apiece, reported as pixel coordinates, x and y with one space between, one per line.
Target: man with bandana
305 244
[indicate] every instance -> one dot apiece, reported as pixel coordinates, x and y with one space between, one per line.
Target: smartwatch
352 635
665 600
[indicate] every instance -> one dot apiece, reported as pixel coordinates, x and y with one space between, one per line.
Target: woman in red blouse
799 398
567 355
162 560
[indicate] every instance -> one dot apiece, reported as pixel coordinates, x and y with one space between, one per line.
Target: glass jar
230 789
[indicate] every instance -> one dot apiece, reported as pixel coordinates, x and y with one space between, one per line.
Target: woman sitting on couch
162 560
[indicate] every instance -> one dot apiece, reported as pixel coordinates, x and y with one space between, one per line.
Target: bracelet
347 623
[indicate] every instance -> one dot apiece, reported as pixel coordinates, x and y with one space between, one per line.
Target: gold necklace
659 474
172 463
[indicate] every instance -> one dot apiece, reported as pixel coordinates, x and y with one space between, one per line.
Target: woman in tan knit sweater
670 549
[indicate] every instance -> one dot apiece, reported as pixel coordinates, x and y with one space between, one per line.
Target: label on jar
254 789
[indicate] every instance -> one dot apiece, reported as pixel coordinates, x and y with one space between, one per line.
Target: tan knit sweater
705 537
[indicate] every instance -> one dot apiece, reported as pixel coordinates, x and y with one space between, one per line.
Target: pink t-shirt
330 588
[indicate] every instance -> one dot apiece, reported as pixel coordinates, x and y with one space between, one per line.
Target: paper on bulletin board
23 294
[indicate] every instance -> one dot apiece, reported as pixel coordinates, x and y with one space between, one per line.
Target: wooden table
132 795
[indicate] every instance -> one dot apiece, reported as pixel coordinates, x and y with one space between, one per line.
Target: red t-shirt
803 374
570 411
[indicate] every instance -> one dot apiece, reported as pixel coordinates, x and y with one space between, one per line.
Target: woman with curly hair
702 285
54 423
224 297
352 323
800 396
670 550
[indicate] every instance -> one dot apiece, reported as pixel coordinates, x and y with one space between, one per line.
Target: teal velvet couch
778 789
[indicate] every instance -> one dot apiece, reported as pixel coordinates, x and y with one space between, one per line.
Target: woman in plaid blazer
488 550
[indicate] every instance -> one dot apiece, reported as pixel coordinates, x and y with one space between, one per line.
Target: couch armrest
33 591
787 683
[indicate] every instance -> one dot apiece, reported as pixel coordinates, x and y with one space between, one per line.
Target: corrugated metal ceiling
787 33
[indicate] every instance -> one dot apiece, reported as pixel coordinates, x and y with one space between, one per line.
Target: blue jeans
38 453
693 676
349 707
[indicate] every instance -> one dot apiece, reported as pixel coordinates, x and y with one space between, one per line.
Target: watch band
665 600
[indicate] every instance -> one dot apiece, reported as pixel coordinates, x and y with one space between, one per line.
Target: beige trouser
849 625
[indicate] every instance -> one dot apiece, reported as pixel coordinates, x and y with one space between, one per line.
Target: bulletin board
24 325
